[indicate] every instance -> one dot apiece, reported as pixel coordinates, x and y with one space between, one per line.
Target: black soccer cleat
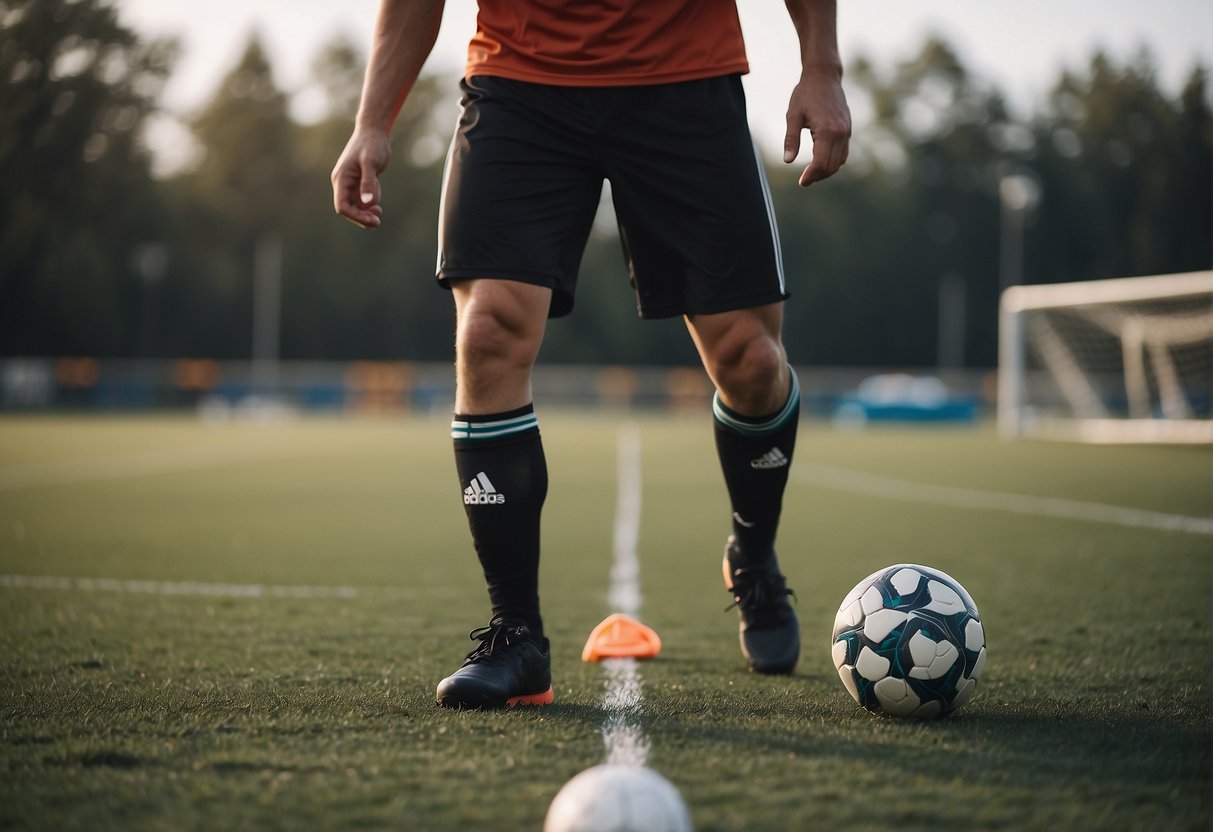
508 668
769 631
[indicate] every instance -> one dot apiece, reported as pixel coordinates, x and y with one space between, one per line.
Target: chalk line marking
142 463
193 588
624 739
874 485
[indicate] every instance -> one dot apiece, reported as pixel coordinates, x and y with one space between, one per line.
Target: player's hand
355 177
819 106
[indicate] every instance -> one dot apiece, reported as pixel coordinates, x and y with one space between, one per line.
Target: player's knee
752 374
494 336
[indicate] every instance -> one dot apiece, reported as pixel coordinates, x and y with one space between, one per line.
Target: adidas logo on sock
773 458
480 492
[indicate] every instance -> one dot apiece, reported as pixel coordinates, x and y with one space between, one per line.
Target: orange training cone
621 636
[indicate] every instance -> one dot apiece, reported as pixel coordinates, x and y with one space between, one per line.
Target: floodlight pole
267 306
1011 361
950 338
150 261
1018 194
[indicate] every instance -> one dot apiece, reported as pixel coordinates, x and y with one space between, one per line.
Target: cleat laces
761 596
494 640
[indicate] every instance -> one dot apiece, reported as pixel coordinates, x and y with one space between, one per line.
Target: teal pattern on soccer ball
908 641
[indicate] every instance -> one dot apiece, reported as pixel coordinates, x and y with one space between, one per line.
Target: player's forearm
405 31
816 23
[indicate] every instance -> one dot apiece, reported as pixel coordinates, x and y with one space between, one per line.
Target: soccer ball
908 642
618 798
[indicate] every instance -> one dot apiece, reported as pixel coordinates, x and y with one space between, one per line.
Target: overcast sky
1020 45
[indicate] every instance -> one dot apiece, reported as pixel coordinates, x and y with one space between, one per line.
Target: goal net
1128 360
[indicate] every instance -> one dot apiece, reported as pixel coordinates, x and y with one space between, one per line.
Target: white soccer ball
909 642
618 798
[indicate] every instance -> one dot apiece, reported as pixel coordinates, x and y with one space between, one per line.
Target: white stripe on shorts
766 196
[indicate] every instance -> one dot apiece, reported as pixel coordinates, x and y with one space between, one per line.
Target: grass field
270 607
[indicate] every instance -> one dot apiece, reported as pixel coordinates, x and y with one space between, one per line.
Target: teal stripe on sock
734 421
461 429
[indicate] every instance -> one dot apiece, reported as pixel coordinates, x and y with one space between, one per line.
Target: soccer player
558 97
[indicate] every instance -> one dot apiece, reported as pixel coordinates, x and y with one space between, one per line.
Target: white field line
196 588
873 485
625 741
624 594
142 463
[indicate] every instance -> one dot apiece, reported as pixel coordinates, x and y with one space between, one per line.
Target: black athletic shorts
524 176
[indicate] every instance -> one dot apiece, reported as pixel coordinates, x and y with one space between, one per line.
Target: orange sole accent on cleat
545 698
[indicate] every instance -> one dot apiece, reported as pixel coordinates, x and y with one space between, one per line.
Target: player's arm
818 103
405 31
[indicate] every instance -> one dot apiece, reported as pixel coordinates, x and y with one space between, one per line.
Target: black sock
755 455
504 479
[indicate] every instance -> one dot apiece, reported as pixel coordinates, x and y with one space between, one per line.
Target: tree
1190 244
249 148
915 206
1126 175
1123 170
244 190
76 87
358 294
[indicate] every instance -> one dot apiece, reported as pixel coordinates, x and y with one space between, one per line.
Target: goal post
1126 360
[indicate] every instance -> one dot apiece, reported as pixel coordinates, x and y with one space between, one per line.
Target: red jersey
604 43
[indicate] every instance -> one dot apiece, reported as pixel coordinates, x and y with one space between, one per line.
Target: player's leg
756 412
498 450
516 210
502 471
702 242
